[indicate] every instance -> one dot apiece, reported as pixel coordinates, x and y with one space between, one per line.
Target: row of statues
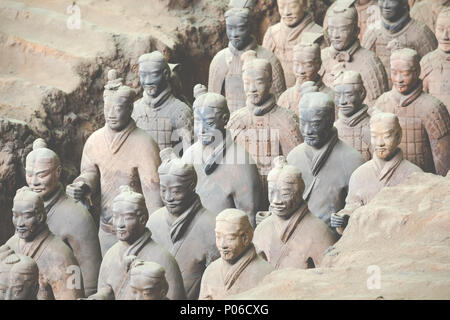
201 202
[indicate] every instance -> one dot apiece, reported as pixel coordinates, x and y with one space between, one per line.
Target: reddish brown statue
307 63
130 218
263 128
320 155
283 36
387 168
59 272
117 154
240 268
346 53
23 281
353 121
184 227
424 119
427 11
398 30
227 175
291 236
225 71
435 65
167 119
66 218
147 281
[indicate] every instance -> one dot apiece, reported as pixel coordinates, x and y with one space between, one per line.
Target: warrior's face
209 124
348 98
146 288
392 10
27 219
385 138
306 67
231 240
42 175
315 125
22 287
443 31
257 85
284 197
238 31
291 11
404 75
176 193
128 221
117 112
342 32
154 77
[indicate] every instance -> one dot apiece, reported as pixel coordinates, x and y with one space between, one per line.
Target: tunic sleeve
89 170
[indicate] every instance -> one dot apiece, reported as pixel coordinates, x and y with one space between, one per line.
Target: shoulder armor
369 39
217 71
437 120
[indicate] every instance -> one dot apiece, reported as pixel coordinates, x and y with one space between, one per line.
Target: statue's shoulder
238 119
435 116
220 57
287 117
370 37
325 53
430 62
59 250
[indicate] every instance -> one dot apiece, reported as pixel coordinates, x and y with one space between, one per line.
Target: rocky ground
396 247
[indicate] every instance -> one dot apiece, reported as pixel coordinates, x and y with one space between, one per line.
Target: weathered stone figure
130 218
307 63
117 154
227 176
60 276
23 278
424 119
283 36
225 71
4 270
346 53
427 11
319 156
66 218
291 236
353 120
435 65
167 119
387 168
184 227
240 268
263 128
398 30
147 281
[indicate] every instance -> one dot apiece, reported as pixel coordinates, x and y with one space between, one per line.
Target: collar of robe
218 154
155 103
233 271
178 227
386 169
345 55
136 247
355 118
48 204
405 100
394 27
266 107
30 248
116 139
251 46
294 220
294 33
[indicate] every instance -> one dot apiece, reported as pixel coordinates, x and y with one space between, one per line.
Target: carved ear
166 74
59 171
225 118
363 93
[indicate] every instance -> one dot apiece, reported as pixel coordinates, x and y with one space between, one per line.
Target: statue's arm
249 194
148 175
438 129
89 173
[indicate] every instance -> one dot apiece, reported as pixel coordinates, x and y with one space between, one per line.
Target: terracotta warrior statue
130 216
398 30
291 236
227 176
263 128
307 63
225 71
4 270
368 13
66 218
319 156
117 154
167 119
353 120
424 119
283 36
60 276
427 11
147 280
184 227
240 268
435 65
346 53
387 168
23 282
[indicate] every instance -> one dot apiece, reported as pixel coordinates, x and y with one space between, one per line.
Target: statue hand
338 221
77 190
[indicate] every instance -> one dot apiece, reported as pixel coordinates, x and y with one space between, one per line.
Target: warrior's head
257 77
292 12
23 277
286 188
307 61
386 134
118 106
238 21
443 30
343 27
393 10
349 92
154 73
43 169
234 234
405 70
